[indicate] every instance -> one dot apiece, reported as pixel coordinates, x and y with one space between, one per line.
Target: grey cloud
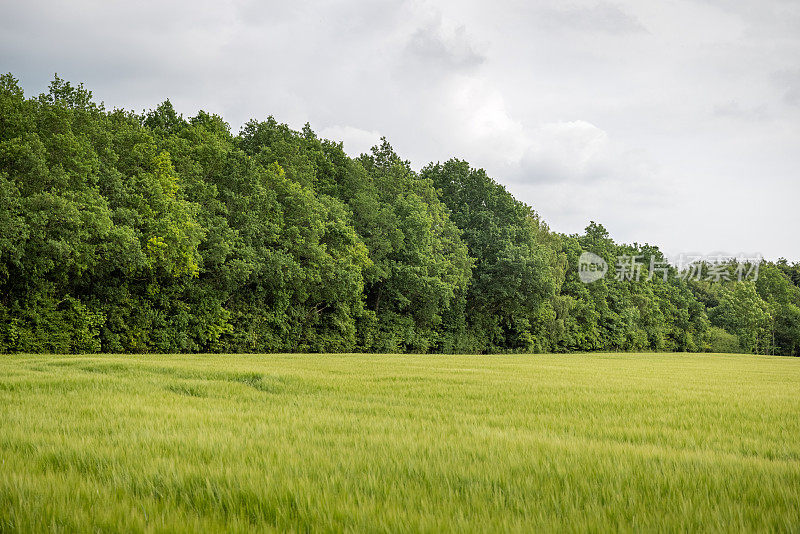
788 81
599 17
338 19
735 110
432 45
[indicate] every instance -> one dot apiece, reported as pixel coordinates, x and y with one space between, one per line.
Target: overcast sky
673 122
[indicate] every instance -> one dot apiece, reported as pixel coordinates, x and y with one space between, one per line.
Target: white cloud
356 141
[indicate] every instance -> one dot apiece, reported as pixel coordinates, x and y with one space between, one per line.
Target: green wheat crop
642 442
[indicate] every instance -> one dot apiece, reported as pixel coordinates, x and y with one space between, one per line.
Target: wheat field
384 443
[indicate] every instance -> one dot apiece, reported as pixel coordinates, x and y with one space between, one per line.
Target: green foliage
514 269
122 232
421 266
742 312
722 342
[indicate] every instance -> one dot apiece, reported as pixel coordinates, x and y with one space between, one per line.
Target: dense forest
126 232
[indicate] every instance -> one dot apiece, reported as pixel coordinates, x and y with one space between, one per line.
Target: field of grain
388 442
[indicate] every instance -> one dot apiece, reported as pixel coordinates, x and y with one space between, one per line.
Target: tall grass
385 443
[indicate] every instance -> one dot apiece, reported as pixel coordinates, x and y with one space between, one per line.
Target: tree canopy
126 232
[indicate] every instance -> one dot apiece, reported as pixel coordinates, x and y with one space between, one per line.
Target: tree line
151 232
